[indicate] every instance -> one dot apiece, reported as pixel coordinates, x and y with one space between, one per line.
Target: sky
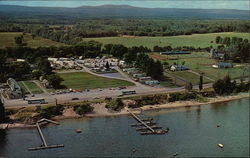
202 4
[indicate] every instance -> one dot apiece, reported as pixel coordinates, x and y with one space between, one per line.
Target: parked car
108 98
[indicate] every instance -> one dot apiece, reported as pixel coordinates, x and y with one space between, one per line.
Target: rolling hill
118 11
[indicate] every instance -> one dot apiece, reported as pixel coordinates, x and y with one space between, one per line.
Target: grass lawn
7 40
193 78
33 87
84 80
201 62
196 40
168 84
234 72
23 88
205 65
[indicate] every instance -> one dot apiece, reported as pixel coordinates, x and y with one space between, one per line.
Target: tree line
37 65
236 49
71 34
226 86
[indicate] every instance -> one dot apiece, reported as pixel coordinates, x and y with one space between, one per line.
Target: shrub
149 100
189 86
208 93
181 96
225 86
83 109
115 104
242 87
55 81
50 111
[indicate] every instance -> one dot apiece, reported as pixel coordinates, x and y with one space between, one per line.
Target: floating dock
147 126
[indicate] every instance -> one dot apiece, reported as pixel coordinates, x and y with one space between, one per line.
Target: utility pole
56 101
201 81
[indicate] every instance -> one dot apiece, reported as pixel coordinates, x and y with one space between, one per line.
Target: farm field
30 86
195 40
201 62
7 40
84 80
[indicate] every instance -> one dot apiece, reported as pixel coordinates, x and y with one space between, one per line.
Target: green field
201 62
31 86
193 78
196 40
7 40
84 80
23 87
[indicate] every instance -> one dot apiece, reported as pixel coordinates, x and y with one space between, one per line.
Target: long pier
143 123
41 135
44 143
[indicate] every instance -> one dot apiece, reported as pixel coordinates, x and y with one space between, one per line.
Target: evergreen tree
43 65
55 81
201 82
107 65
19 40
218 39
189 86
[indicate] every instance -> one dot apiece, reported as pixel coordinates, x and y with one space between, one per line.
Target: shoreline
181 104
102 112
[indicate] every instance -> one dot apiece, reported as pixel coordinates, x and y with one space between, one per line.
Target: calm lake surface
193 133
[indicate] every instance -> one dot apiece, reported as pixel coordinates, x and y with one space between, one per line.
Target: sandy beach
101 111
179 104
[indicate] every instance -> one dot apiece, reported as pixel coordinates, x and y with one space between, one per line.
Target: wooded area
72 34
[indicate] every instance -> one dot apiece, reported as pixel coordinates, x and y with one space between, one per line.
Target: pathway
176 77
40 86
196 73
24 84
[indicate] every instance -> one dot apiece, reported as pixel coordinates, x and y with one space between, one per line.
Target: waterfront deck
150 126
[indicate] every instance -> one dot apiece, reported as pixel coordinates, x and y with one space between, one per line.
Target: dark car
108 98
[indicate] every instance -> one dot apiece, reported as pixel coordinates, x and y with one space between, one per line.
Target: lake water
193 133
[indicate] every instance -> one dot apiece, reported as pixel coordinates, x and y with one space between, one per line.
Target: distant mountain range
119 11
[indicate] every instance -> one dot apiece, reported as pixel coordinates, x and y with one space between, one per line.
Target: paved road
99 93
93 94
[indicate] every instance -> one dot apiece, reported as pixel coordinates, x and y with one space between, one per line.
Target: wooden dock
149 126
44 143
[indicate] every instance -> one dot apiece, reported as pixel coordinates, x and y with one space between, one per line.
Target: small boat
221 145
175 154
145 128
140 124
78 131
134 150
146 133
159 132
147 119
